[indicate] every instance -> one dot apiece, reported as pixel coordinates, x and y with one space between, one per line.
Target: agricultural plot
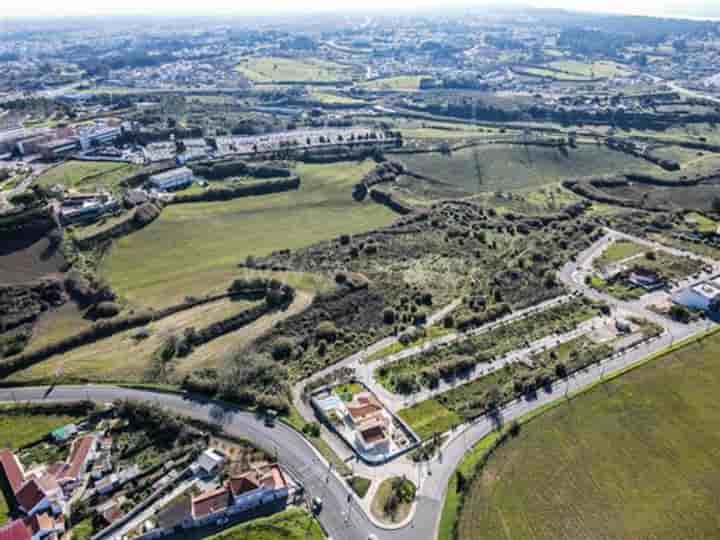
27 257
629 459
601 69
130 356
88 175
212 238
513 167
409 375
406 83
276 69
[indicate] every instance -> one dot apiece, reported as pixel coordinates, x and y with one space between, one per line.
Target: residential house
45 525
210 461
15 530
703 296
40 494
646 279
12 469
210 503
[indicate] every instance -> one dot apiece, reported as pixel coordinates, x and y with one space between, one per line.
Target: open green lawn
619 251
634 458
429 417
291 524
590 69
123 357
400 83
334 99
88 175
17 430
192 248
276 69
512 167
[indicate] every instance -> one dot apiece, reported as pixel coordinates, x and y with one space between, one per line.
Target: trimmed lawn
634 458
360 485
88 174
429 417
192 248
291 524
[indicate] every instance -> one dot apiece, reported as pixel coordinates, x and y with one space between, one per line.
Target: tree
461 482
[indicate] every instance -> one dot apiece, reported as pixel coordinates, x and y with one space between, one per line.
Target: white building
702 296
173 179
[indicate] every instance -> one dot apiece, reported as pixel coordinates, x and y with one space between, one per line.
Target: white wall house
701 296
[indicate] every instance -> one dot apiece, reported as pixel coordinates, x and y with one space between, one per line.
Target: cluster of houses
219 502
85 207
363 423
42 496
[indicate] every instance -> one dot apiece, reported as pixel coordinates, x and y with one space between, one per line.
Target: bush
276 403
389 316
283 348
311 429
326 331
105 310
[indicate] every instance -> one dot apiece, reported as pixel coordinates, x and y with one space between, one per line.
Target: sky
51 8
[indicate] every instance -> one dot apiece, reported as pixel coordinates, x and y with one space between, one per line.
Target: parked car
317 504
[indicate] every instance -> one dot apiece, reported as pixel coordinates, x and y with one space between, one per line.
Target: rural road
311 470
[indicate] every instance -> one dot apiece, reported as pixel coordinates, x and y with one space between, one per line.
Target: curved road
309 468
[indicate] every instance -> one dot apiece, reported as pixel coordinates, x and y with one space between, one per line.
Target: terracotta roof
41 522
12 469
210 502
361 412
373 434
15 530
30 494
78 456
270 477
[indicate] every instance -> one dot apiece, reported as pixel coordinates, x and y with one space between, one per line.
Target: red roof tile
78 457
12 469
15 530
30 494
210 502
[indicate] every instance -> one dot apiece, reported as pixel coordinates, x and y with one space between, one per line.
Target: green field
429 417
634 458
406 83
192 248
122 357
292 524
334 99
506 167
17 430
619 251
594 69
88 175
276 69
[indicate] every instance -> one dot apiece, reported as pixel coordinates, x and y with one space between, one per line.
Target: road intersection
344 515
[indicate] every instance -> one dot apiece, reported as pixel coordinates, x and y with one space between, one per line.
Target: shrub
276 403
283 348
105 310
311 429
340 278
389 316
326 331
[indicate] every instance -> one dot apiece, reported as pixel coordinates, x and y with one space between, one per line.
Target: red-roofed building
82 452
39 494
44 525
15 530
259 486
12 469
209 503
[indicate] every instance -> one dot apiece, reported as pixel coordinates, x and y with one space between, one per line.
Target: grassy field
506 167
193 247
123 357
587 69
292 524
24 258
618 251
276 69
88 175
17 430
334 99
634 458
429 417
406 83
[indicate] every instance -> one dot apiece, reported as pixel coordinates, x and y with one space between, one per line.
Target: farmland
275 69
594 69
633 458
88 175
505 167
126 356
212 238
404 83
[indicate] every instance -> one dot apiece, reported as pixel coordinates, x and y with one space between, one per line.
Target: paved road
305 464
